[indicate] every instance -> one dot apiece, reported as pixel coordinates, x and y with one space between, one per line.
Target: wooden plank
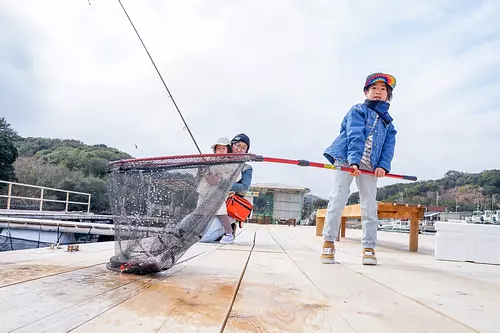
352 211
394 215
264 242
73 317
32 301
194 299
15 274
386 215
244 240
368 306
68 299
343 224
414 226
320 223
466 292
207 307
399 206
388 208
26 265
10 257
275 296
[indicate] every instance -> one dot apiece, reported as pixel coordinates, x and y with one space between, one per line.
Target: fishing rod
305 163
237 158
161 77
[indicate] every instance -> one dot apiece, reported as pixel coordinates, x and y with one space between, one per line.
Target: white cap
223 141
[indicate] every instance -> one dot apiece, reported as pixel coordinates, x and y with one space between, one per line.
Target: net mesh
163 206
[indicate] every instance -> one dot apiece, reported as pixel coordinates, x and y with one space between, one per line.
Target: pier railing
13 196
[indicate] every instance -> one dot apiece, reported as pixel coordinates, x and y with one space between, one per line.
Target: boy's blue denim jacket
357 124
243 185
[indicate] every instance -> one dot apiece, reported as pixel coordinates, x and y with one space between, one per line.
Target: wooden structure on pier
386 210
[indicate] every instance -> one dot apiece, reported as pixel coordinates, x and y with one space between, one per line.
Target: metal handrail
41 199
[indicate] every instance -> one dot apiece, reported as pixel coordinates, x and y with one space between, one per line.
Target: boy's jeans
367 185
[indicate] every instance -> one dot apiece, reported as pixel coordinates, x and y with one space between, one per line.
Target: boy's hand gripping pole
326 166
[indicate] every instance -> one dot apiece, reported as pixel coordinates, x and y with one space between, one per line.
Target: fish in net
163 206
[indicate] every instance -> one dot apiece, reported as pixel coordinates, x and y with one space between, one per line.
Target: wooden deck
271 280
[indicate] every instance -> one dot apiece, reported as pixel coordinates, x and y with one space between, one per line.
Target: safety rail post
9 193
41 199
88 204
67 202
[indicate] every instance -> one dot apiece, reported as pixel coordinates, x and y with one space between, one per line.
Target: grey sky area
283 72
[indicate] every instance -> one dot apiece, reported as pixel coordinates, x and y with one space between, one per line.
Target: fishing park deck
270 280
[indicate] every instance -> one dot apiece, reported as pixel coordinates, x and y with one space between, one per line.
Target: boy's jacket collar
381 108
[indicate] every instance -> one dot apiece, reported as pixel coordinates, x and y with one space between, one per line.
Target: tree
453 174
320 203
8 151
6 129
67 164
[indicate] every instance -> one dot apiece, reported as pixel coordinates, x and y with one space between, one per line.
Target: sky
284 72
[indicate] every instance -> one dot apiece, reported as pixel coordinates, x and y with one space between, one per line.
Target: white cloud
284 72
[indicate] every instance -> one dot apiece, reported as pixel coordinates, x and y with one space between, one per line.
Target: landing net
162 206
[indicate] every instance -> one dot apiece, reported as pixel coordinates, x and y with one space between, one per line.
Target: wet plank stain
195 298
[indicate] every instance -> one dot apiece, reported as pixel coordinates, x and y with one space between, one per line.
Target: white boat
488 216
495 218
477 217
394 225
484 217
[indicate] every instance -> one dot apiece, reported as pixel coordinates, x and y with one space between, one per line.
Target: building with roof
433 213
275 202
